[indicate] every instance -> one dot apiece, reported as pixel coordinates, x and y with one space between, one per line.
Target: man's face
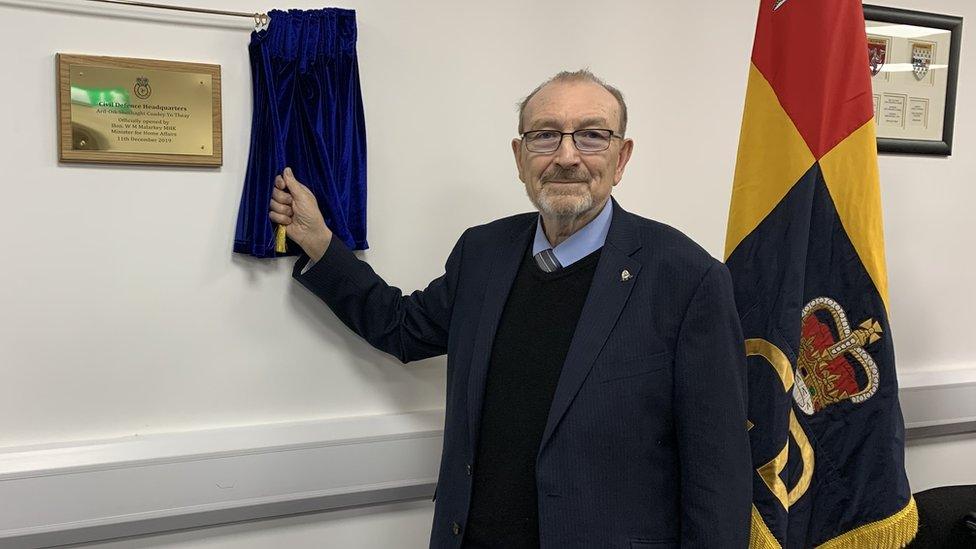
568 183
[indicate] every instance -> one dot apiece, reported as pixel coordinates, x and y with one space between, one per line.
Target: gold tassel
280 245
759 535
898 530
893 532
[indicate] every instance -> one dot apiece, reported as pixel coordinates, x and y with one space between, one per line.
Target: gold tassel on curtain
280 245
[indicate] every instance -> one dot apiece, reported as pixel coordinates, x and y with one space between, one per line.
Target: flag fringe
895 531
759 535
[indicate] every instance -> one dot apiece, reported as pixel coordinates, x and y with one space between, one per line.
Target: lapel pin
624 275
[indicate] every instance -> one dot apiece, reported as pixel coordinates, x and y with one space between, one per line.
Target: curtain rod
260 19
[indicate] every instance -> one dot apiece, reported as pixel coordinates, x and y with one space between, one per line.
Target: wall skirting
938 402
95 490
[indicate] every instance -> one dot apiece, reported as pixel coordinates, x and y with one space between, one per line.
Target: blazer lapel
504 266
609 291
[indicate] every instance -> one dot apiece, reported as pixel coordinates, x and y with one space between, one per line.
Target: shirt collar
580 244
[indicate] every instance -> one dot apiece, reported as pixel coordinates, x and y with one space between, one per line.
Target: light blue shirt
579 244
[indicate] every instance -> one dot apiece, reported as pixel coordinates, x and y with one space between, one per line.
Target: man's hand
294 206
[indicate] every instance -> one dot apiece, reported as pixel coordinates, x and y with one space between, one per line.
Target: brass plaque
139 111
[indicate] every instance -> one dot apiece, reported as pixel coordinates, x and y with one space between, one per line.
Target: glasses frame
572 133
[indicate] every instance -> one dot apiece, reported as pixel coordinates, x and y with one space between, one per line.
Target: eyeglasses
586 140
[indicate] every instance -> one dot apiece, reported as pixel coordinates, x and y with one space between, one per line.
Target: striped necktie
546 260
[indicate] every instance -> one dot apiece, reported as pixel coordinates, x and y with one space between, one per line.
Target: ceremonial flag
806 253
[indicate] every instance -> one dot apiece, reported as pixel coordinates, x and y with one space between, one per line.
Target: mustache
562 174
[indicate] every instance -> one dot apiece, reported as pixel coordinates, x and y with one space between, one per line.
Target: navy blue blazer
646 442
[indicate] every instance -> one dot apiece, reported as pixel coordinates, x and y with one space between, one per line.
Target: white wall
122 310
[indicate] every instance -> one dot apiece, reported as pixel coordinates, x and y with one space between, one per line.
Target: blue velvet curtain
308 114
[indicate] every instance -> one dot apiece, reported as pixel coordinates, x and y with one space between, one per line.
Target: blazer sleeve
710 418
410 327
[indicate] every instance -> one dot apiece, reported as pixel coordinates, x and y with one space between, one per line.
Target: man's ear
626 149
516 150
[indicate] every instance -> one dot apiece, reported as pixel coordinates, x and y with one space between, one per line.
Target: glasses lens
542 141
592 140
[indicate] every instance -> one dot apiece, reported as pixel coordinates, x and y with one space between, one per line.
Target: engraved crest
142 88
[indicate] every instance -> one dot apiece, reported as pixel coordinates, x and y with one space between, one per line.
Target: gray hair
582 75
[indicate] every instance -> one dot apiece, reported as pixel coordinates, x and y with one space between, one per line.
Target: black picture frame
951 23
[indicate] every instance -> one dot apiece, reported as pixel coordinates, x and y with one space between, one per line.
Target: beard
562 199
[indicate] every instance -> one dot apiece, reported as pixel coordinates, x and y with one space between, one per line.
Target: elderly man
595 363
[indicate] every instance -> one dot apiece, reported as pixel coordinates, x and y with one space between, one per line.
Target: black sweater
527 356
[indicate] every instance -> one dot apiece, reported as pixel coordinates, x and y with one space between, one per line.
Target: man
595 363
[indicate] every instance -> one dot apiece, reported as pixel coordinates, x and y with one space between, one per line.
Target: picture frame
914 61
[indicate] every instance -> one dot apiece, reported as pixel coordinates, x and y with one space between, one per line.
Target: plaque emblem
921 60
142 89
833 365
877 55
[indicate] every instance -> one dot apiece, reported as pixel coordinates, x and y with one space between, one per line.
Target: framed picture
914 62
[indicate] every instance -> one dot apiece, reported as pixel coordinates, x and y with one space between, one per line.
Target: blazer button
456 528
467 467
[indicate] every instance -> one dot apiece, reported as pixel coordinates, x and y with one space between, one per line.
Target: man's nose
566 154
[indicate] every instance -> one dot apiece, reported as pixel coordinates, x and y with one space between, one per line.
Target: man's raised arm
409 327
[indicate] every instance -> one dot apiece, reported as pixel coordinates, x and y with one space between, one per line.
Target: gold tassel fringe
895 531
759 535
